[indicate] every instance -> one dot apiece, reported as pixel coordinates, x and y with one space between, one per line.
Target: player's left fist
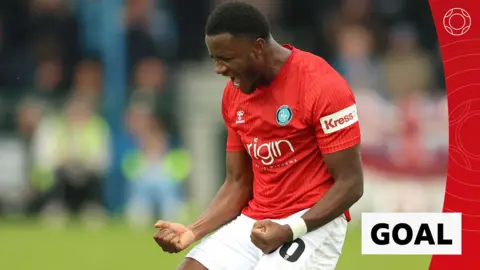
268 236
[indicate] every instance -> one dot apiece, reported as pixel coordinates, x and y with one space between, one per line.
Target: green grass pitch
26 245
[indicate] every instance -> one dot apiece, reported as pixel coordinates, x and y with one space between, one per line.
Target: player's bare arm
232 197
346 169
227 204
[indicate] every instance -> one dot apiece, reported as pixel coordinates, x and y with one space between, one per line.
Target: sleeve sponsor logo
339 120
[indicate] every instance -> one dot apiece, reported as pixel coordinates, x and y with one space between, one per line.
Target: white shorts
230 248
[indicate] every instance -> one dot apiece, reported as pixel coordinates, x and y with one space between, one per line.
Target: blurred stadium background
110 119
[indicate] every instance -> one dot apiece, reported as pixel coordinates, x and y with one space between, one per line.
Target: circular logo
284 115
457 21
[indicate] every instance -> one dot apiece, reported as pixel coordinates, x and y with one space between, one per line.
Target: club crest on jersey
284 115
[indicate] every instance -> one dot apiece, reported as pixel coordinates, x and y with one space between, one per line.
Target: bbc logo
412 233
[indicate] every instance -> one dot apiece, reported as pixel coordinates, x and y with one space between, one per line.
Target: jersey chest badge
284 115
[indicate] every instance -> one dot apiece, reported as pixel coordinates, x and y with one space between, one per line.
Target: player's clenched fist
173 237
268 235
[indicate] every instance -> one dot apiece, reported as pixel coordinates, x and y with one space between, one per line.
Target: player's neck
278 57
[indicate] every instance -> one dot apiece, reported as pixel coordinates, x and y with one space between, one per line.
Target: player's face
240 58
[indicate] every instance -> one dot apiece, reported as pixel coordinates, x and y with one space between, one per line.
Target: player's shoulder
229 92
315 69
317 73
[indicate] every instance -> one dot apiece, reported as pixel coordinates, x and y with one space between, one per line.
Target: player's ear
259 46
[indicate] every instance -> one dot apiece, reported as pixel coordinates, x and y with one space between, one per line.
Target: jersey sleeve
333 113
234 142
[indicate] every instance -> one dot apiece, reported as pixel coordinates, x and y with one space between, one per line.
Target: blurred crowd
57 144
52 80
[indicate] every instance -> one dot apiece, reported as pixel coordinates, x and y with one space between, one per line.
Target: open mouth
236 82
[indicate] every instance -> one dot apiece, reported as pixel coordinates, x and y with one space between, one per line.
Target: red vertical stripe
458 28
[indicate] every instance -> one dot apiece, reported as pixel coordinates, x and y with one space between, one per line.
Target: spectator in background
155 171
408 69
87 80
49 75
30 111
356 59
70 158
151 85
149 79
150 30
47 94
354 12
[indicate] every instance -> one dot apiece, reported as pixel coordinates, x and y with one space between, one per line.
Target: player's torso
287 163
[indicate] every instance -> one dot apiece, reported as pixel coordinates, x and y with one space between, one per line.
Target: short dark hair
238 19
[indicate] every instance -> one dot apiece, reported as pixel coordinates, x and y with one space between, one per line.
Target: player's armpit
345 166
232 197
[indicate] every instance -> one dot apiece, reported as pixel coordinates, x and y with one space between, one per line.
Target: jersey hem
253 216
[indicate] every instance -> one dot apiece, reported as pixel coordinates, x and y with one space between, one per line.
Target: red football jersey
306 111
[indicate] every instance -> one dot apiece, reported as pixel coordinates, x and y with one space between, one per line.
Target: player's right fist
173 237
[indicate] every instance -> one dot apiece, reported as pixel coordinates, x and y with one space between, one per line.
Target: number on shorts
292 257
